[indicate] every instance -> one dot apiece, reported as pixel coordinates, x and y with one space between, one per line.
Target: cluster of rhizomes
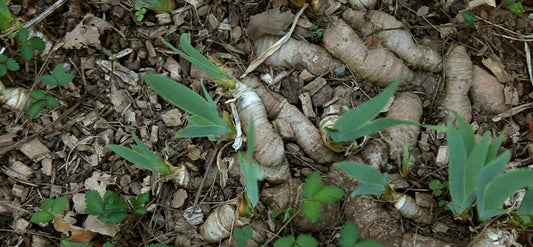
391 54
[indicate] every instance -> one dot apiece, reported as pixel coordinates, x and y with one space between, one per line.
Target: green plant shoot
50 208
350 237
137 203
407 161
515 7
315 194
196 58
469 19
6 19
142 156
59 76
285 212
110 209
7 64
40 100
437 187
303 240
205 118
66 242
243 235
250 170
159 6
27 45
476 173
372 181
139 12
359 121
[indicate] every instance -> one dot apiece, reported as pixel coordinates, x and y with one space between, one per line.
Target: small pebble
339 71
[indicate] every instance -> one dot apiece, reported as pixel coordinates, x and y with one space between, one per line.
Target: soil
100 108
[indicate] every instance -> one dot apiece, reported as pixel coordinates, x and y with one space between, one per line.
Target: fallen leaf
99 181
92 223
76 233
476 3
495 65
271 22
86 33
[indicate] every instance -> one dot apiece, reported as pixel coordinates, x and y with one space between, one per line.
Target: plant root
487 92
306 134
406 106
297 52
395 37
458 70
416 240
219 223
375 64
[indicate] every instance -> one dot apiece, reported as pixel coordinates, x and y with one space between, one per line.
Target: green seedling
6 19
250 169
319 32
139 11
137 203
243 235
7 64
469 19
285 212
50 209
476 173
372 181
157 245
407 161
159 6
197 59
40 100
315 194
360 121
66 242
303 240
110 209
28 45
142 156
59 76
515 7
205 118
436 186
350 237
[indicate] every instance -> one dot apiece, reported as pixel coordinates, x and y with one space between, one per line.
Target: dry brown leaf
76 234
99 181
495 65
476 3
271 22
86 33
92 223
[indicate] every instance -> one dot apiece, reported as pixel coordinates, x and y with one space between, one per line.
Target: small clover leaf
27 46
59 76
50 208
7 64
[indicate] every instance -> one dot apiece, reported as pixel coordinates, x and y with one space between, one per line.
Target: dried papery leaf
99 23
82 36
270 22
99 181
476 3
92 223
495 65
76 234
363 4
13 98
496 236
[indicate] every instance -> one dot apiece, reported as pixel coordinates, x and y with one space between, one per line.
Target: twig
199 191
45 13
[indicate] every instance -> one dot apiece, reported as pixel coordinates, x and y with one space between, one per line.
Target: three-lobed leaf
110 209
50 208
59 76
349 235
242 235
311 210
27 46
313 184
137 203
